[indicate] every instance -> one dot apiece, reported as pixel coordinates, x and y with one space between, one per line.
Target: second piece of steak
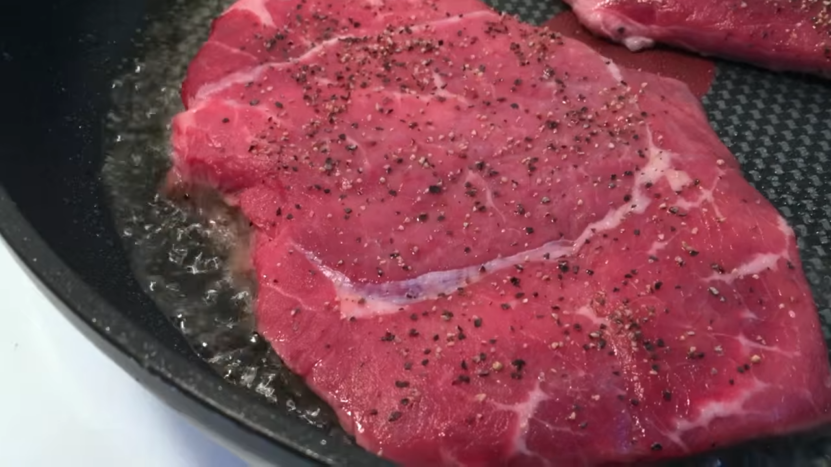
776 34
485 244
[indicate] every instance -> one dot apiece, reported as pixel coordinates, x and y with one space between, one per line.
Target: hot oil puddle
185 250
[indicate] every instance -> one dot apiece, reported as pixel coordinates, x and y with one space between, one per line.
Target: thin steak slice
486 244
776 34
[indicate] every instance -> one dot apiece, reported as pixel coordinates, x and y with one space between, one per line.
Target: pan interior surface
88 150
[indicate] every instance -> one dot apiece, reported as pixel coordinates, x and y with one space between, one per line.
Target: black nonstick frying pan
83 87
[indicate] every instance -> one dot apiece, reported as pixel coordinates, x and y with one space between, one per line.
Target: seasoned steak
780 35
486 244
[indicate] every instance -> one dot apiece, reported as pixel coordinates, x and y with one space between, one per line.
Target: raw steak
776 34
486 244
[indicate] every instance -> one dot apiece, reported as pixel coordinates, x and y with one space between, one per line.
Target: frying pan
58 63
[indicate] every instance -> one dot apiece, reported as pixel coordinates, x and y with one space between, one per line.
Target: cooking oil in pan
183 247
186 250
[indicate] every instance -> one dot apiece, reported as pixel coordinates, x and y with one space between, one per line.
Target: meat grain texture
781 35
486 244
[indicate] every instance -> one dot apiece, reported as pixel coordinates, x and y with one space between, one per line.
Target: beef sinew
776 34
485 244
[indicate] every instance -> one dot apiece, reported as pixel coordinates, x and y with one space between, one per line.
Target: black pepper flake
414 316
279 212
477 322
434 189
529 230
279 105
635 402
405 401
520 209
255 102
656 447
658 285
667 395
290 216
505 306
446 315
413 332
583 425
519 364
514 106
402 384
589 272
395 416
461 379
637 232
514 281
388 337
226 120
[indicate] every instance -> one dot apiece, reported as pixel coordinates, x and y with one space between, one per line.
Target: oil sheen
187 248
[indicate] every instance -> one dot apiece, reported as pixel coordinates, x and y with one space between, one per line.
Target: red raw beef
776 34
485 244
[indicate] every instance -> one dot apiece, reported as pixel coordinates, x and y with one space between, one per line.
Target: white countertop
63 402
